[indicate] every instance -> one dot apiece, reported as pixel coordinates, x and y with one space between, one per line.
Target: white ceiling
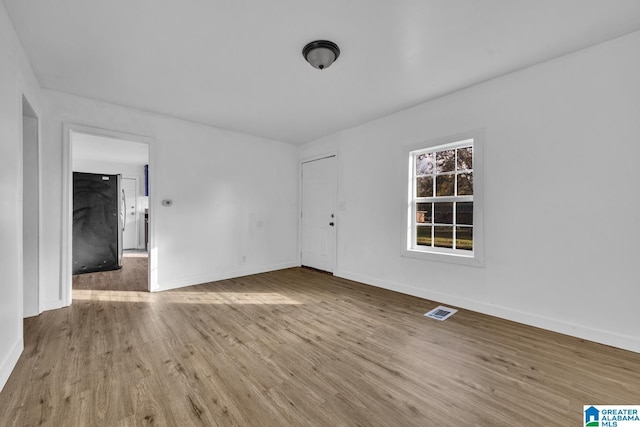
237 64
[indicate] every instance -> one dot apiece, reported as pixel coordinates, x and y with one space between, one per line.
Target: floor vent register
441 313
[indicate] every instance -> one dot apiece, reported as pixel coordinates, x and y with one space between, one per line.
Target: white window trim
476 258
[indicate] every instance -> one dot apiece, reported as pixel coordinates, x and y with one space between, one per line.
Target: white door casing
30 214
319 179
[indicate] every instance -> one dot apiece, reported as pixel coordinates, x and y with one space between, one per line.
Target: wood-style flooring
133 276
298 347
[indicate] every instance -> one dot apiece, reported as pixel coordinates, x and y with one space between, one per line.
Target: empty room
346 213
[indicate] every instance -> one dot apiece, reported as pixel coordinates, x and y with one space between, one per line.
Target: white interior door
318 214
130 233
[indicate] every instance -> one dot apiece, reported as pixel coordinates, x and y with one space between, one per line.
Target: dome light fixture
321 53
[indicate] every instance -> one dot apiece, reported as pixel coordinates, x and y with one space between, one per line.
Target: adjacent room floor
133 276
298 347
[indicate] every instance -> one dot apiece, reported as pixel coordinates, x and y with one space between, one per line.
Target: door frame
28 110
309 159
66 254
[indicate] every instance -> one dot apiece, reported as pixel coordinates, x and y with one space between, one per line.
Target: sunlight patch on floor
271 298
134 254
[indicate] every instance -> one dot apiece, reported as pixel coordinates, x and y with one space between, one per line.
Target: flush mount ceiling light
321 53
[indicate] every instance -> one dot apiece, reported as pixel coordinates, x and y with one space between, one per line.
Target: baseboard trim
613 339
10 362
51 305
197 280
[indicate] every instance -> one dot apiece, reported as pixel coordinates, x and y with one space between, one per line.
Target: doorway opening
30 210
108 231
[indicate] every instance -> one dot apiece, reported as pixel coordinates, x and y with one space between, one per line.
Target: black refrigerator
98 222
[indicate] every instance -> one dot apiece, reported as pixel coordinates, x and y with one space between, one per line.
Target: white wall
234 195
127 171
16 79
561 206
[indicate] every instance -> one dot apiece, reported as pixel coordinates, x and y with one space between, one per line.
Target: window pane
423 235
442 199
465 184
464 213
424 164
464 238
443 213
445 185
424 186
424 212
445 161
465 158
443 237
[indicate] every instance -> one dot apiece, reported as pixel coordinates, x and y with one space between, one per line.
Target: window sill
474 260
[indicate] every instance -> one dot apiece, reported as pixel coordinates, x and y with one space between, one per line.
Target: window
443 213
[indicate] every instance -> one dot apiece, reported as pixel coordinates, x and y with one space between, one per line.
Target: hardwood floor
300 348
133 276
